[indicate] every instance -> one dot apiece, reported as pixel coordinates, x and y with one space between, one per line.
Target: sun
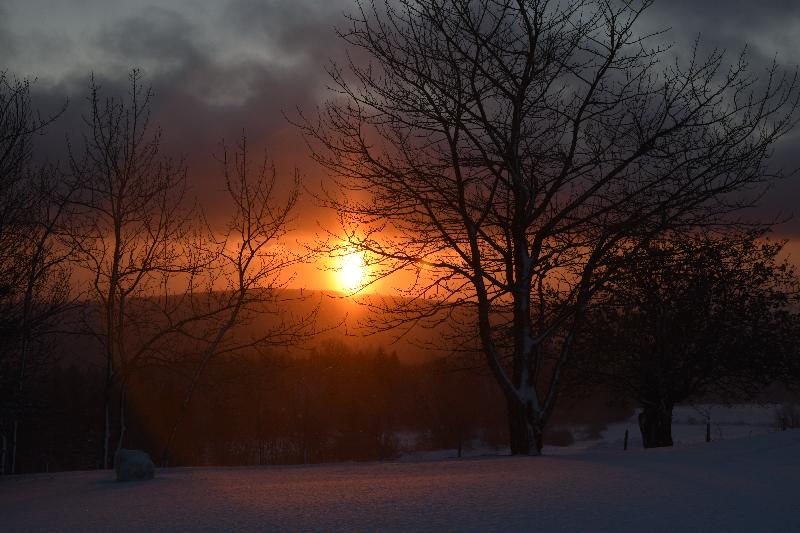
352 271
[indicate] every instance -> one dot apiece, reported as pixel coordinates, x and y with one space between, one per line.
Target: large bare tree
512 153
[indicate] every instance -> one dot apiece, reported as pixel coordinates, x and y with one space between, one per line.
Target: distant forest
334 404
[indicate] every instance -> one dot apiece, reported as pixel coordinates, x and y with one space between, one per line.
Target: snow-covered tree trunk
524 428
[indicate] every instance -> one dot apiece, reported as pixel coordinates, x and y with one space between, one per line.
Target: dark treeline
333 404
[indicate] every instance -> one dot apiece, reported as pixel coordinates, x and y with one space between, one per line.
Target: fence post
625 443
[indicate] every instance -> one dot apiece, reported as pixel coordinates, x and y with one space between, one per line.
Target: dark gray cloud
770 29
218 68
214 76
292 27
7 42
157 35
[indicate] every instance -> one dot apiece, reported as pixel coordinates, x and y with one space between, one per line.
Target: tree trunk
106 432
107 399
655 423
14 437
122 427
524 435
3 456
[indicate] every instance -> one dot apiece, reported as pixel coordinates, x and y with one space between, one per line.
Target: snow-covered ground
746 484
688 427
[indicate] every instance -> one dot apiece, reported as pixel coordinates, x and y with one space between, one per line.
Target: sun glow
352 272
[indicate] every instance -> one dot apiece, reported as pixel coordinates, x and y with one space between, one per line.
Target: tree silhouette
35 205
133 238
165 285
694 315
253 264
511 154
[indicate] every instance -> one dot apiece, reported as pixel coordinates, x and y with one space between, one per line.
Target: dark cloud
156 36
203 92
293 27
770 29
767 27
7 41
218 69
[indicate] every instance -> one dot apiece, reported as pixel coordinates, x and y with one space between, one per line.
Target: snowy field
688 427
746 484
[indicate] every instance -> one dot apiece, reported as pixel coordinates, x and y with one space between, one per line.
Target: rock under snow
133 465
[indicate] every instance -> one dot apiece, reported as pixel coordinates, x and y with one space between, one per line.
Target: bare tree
34 205
254 261
512 153
133 239
20 123
43 294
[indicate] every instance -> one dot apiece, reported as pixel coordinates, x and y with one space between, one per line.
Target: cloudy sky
218 67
